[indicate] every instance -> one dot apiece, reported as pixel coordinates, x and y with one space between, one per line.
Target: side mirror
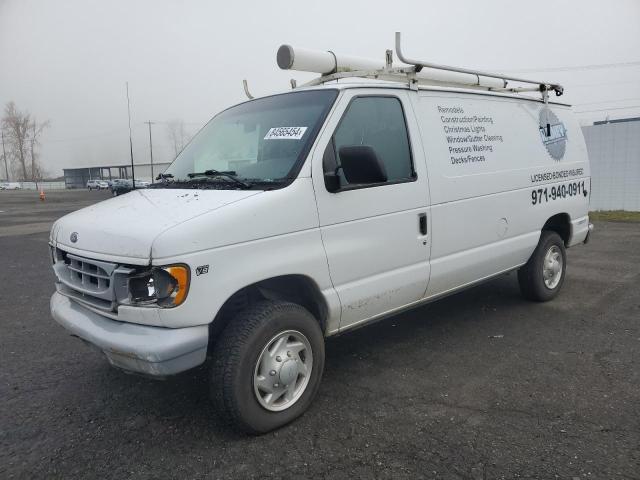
361 165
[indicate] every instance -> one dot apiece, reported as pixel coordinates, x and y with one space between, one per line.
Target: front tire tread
229 356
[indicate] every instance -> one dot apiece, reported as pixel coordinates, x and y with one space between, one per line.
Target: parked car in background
120 186
10 186
97 185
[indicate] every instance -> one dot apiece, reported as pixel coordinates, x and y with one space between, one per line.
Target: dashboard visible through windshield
262 141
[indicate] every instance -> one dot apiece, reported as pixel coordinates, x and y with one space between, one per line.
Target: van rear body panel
493 181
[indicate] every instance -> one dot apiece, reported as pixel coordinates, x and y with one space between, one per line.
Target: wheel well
561 224
290 288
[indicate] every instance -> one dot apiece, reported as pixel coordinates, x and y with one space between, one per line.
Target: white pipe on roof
316 61
324 63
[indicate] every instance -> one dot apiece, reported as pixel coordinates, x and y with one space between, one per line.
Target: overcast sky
68 60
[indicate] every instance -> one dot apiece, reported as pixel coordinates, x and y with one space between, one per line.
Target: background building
614 152
78 177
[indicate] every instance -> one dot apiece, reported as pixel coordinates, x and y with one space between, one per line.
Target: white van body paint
361 249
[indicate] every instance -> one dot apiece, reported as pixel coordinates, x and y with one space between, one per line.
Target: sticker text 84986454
547 194
285 133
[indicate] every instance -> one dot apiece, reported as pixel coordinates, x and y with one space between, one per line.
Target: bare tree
4 156
22 137
178 135
15 125
37 172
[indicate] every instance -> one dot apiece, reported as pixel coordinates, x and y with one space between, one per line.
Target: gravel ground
479 385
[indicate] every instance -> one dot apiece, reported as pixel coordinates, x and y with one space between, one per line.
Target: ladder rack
419 65
334 67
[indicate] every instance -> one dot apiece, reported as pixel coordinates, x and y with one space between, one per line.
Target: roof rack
331 67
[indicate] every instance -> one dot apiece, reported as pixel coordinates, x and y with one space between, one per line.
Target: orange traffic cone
42 195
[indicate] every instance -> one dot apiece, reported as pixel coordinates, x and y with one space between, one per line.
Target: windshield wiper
231 175
164 176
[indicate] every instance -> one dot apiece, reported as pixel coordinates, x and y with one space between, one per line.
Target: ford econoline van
298 216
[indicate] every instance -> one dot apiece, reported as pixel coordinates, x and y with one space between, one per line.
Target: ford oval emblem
74 237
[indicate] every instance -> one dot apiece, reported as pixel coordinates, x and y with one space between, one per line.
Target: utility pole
149 122
4 155
133 172
33 157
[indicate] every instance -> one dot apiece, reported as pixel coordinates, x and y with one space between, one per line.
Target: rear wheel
541 278
267 366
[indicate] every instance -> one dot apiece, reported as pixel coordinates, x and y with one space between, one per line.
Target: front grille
90 276
100 284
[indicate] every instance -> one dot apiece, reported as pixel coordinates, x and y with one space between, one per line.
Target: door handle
422 223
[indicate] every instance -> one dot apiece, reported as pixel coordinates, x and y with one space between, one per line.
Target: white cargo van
297 216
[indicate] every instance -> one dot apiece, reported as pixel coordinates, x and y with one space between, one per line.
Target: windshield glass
260 141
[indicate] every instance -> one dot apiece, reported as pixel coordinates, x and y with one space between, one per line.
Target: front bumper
136 348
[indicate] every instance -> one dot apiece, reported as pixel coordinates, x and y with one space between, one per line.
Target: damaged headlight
161 286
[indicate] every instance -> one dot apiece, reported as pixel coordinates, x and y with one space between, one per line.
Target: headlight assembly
161 286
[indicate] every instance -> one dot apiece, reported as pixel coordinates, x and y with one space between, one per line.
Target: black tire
234 361
531 276
115 193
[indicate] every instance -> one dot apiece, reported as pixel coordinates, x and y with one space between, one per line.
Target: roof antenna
246 89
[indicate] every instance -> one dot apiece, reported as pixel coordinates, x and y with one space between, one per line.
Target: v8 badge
202 269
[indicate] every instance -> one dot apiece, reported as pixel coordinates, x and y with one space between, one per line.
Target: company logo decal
553 134
74 237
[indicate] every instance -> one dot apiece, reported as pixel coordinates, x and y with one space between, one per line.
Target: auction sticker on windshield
285 133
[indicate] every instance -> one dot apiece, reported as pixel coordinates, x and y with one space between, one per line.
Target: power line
602 84
108 133
168 122
610 101
607 109
600 66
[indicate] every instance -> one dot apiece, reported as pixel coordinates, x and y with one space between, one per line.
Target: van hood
126 226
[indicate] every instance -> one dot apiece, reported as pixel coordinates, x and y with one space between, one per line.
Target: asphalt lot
479 385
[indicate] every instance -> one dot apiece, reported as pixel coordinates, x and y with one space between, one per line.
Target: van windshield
258 142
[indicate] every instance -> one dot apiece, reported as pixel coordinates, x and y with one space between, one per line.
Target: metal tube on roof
503 78
324 63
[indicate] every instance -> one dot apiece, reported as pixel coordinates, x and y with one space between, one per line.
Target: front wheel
541 278
267 366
